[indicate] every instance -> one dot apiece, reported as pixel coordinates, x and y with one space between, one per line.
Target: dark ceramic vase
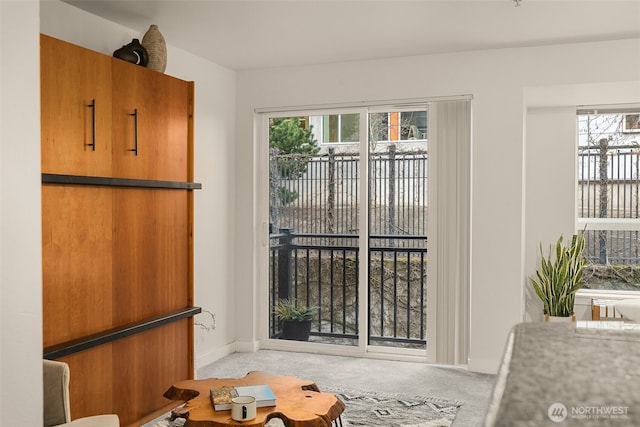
133 52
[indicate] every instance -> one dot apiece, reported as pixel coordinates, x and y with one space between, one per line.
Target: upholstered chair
56 400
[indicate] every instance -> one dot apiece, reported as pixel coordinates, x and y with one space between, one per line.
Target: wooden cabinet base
127 377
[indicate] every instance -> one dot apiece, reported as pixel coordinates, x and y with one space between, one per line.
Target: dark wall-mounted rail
49 178
94 340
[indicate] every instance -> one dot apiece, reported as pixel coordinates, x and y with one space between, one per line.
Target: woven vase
154 43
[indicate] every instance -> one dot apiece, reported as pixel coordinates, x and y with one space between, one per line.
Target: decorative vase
154 43
133 52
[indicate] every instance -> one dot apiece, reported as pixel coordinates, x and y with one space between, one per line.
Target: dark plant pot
297 330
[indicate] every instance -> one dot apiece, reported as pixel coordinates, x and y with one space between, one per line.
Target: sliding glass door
397 240
314 257
347 225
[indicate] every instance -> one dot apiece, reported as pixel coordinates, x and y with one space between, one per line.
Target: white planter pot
548 318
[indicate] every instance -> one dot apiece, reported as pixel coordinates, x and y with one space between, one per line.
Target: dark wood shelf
50 178
94 340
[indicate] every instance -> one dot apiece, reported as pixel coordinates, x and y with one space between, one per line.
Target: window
608 198
400 126
413 125
337 128
631 123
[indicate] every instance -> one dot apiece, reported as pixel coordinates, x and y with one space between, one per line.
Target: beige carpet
396 377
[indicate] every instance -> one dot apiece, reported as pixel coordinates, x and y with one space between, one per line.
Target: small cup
243 408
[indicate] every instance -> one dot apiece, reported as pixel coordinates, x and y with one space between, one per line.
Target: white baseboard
212 356
483 366
247 346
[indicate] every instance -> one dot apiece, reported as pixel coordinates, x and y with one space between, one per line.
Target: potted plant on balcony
559 277
295 319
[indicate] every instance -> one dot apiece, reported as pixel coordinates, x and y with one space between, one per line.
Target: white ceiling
242 34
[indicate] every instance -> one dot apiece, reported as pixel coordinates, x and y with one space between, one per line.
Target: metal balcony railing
321 270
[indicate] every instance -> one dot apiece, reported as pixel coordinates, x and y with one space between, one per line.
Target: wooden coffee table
299 403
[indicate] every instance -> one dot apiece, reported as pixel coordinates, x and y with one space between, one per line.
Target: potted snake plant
559 277
295 319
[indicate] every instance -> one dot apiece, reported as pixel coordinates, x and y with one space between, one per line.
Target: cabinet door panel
161 103
77 261
71 79
91 378
146 365
151 247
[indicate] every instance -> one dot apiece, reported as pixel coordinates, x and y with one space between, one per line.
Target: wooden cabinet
111 257
110 118
117 229
77 261
152 248
150 112
75 121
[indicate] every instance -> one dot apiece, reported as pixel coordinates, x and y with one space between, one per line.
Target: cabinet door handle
93 125
135 131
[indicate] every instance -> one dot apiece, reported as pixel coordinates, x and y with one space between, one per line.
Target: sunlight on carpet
375 409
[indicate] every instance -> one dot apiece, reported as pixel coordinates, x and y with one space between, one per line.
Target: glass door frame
261 241
427 354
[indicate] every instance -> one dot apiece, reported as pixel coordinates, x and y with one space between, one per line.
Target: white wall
20 241
497 79
213 158
550 165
